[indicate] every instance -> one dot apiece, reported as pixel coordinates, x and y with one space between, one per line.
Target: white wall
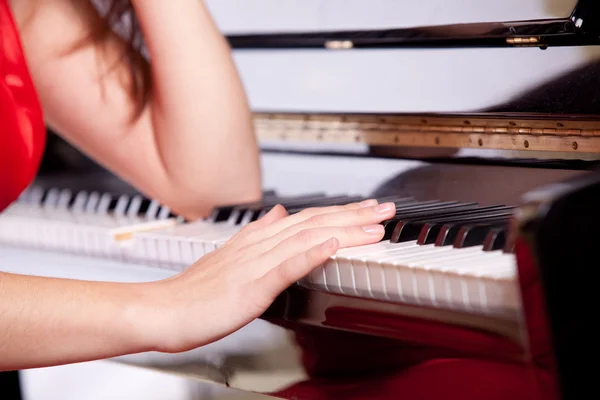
289 15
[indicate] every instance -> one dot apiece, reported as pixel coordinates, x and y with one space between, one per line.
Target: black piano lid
581 28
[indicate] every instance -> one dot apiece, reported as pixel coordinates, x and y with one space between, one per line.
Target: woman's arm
46 321
193 146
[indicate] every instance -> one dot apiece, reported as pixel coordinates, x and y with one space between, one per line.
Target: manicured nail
368 203
373 229
385 207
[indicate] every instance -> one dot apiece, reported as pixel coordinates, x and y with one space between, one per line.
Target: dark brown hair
119 16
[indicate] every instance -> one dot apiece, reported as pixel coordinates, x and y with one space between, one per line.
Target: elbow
199 201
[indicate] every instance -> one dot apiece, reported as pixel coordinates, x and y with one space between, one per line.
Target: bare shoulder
67 67
56 31
47 19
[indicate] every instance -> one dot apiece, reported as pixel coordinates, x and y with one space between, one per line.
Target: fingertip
276 213
280 210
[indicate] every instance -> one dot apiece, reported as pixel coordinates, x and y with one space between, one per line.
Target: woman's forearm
47 321
200 113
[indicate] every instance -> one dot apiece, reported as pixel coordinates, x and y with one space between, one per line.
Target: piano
483 285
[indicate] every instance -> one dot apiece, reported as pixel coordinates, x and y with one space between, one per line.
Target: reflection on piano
481 287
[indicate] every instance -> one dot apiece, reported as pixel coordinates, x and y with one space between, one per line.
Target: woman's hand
53 321
235 284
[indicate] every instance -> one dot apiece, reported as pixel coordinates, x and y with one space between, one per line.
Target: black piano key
44 195
64 199
144 204
343 200
294 205
425 231
411 208
474 235
299 201
295 200
403 208
509 246
326 203
315 202
113 203
71 202
433 229
430 229
222 213
411 226
424 206
238 214
394 227
495 239
395 199
297 205
449 231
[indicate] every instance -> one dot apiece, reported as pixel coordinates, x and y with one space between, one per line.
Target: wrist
142 318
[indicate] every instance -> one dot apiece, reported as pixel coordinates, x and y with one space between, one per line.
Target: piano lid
580 28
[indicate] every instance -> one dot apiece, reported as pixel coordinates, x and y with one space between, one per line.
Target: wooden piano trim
525 133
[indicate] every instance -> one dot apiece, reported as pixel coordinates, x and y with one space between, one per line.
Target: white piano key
51 198
103 204
350 265
64 199
402 280
424 281
483 270
92 202
164 212
447 279
121 207
152 210
133 208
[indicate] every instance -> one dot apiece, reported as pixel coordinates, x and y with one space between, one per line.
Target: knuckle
307 213
250 227
310 258
241 234
306 235
316 220
284 274
351 231
367 212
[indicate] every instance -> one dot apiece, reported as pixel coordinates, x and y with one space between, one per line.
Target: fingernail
367 203
385 207
373 229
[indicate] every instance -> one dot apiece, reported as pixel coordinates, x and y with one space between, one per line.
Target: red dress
22 128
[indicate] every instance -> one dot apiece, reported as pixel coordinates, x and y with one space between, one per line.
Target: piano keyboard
439 254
